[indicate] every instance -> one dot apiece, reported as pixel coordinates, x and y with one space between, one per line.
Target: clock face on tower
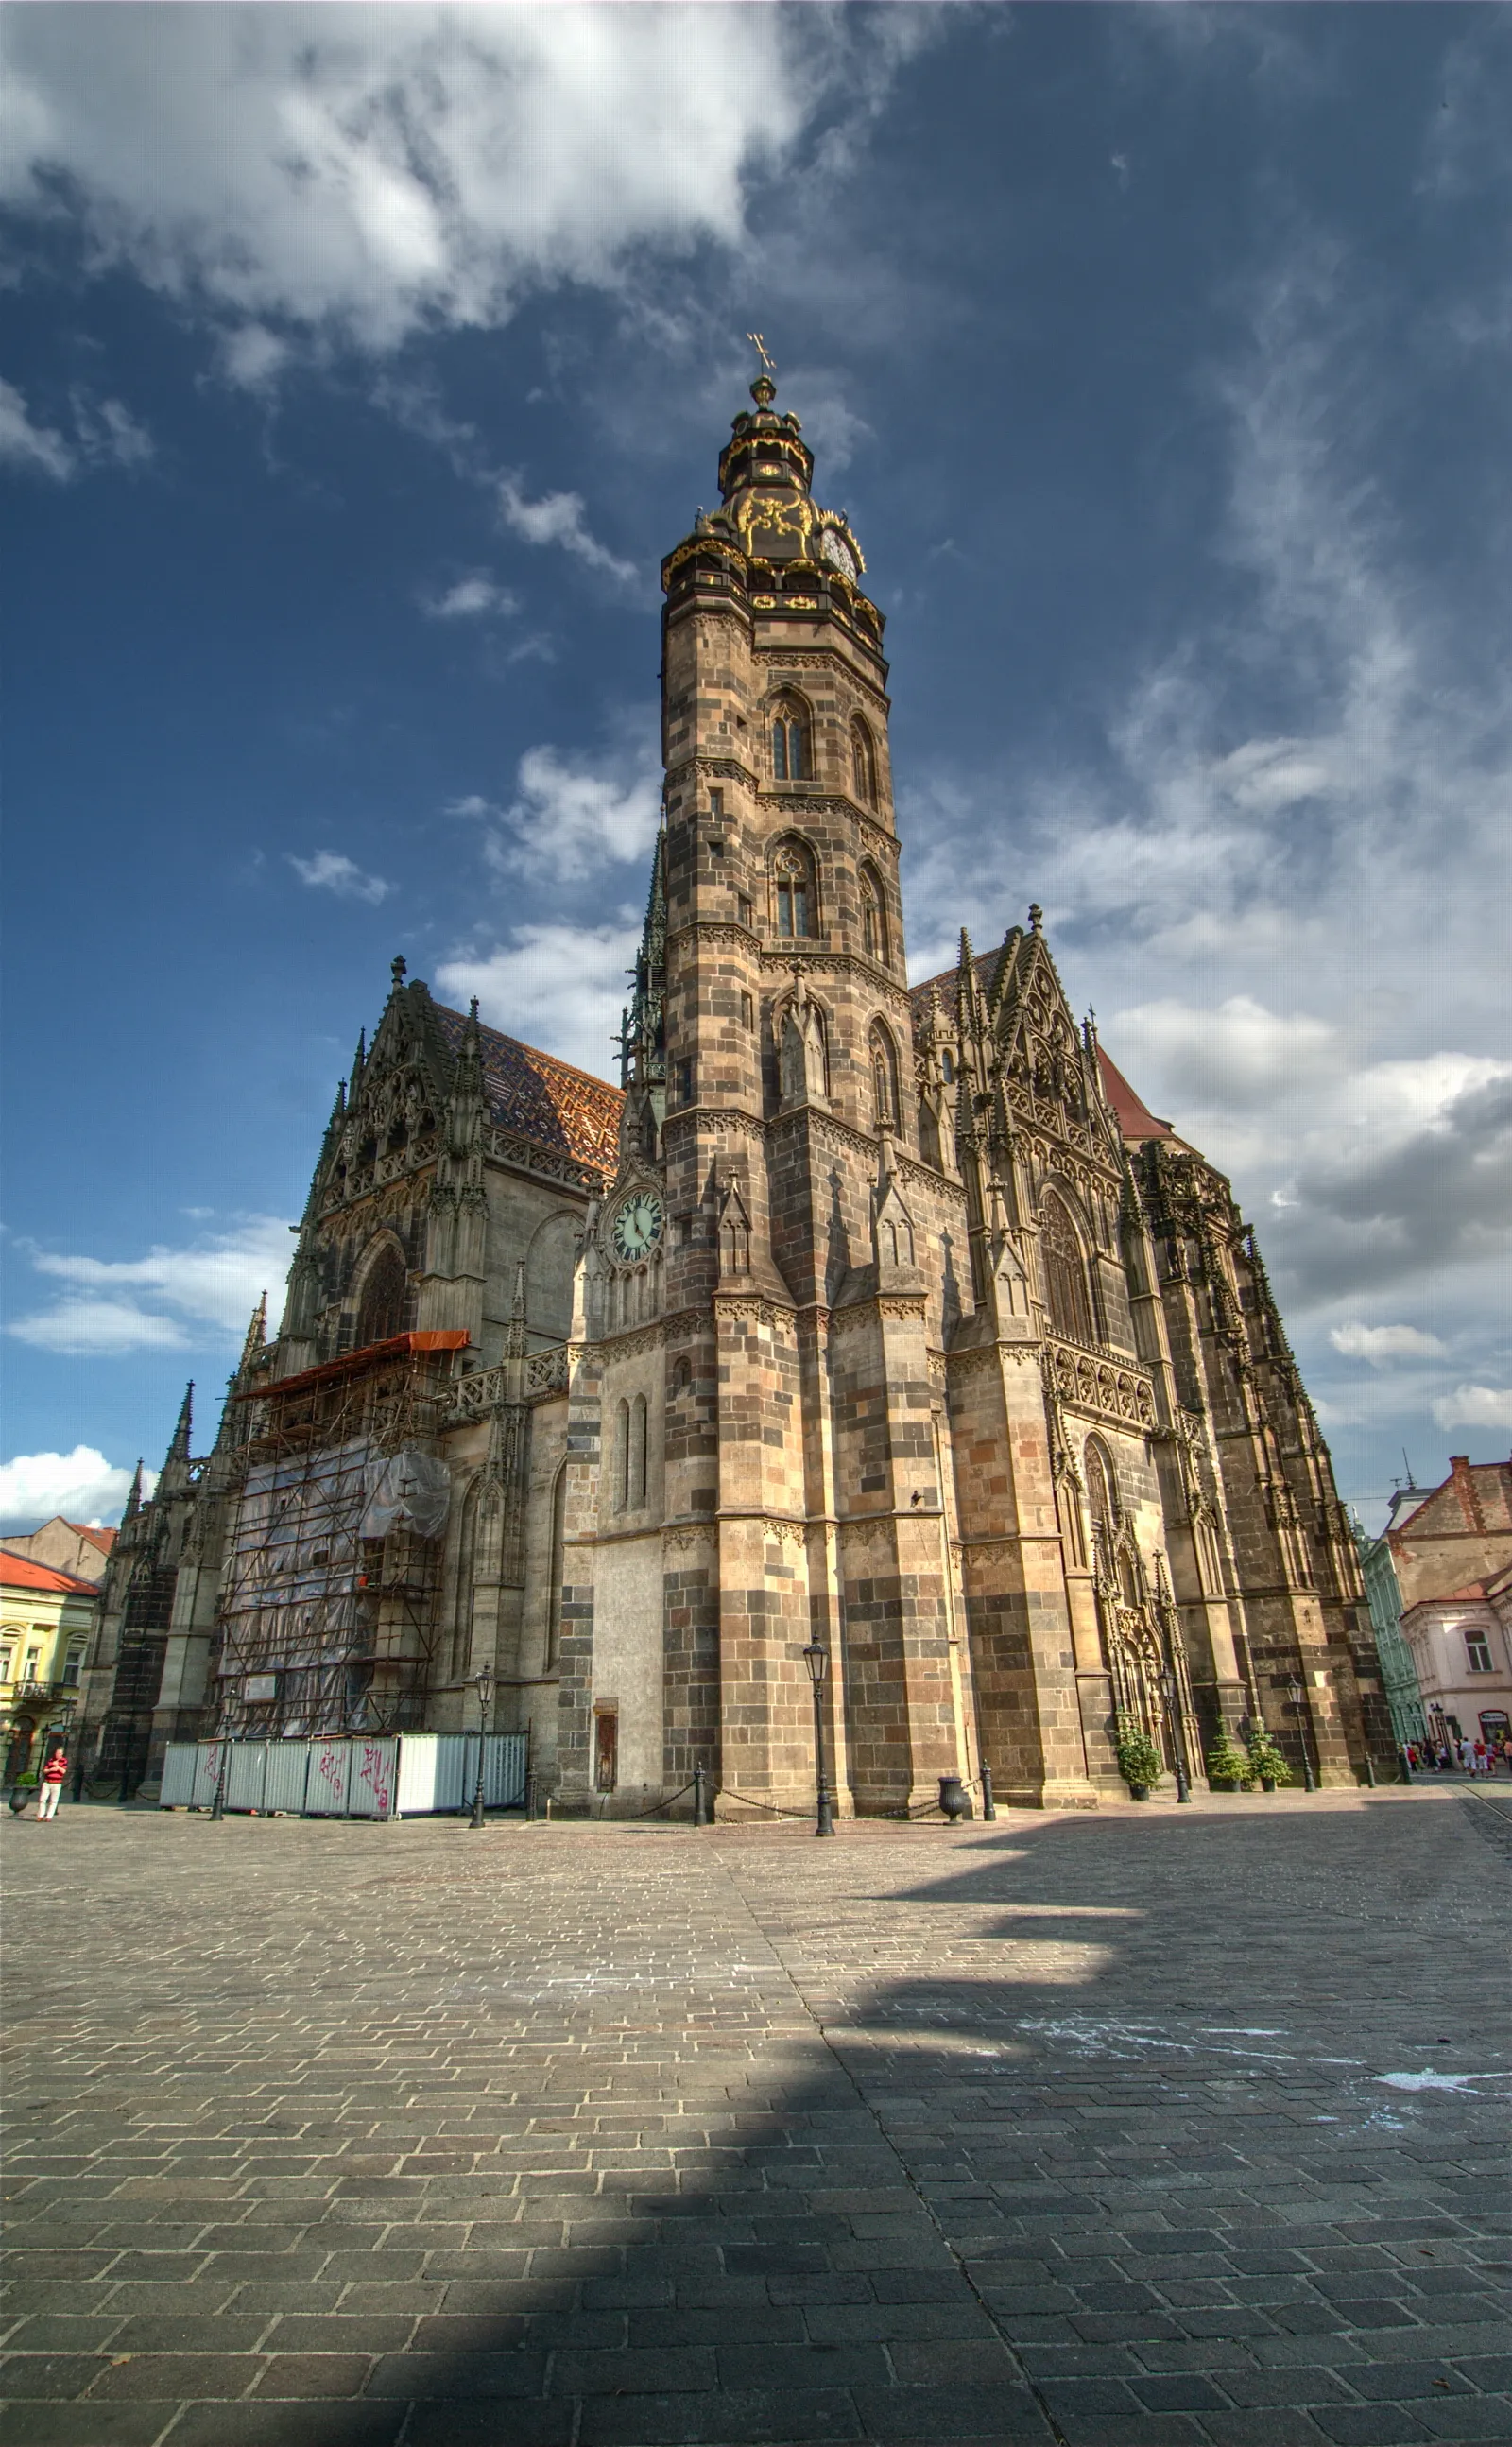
637 1225
838 553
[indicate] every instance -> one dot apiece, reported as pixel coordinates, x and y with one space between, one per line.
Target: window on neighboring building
1066 1291
793 888
1477 1652
792 760
72 1665
34 1666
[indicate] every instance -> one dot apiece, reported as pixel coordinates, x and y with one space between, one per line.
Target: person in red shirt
48 1789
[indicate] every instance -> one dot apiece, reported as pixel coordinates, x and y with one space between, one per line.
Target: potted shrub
1139 1762
1266 1762
1228 1767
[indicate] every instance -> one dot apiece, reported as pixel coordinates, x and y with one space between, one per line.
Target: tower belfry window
863 765
791 758
874 917
793 890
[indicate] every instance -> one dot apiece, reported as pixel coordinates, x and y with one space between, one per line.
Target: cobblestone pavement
1150 2127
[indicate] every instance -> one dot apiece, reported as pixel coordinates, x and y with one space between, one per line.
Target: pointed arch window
884 1076
1101 1494
793 898
874 915
792 744
380 1309
466 1573
863 764
558 1564
1065 1289
637 1452
622 1459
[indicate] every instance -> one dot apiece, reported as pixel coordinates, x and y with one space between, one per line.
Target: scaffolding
327 1617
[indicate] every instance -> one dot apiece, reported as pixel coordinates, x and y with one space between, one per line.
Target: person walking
49 1789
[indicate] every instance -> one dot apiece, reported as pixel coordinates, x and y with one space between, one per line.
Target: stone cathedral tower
887 1318
872 1341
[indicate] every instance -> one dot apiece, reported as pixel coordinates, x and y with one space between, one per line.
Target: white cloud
1475 1406
1381 1344
1239 1055
81 1485
329 872
571 816
558 518
383 169
563 988
39 448
476 597
171 1300
251 357
108 433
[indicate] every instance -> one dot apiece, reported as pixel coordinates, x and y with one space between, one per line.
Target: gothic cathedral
877 1319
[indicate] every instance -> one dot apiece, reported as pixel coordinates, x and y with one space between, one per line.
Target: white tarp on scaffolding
410 1489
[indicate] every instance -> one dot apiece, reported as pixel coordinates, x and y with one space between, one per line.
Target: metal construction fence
394 1776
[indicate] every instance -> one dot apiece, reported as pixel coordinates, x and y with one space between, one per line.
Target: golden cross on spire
768 365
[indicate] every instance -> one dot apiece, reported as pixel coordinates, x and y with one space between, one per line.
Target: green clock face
637 1226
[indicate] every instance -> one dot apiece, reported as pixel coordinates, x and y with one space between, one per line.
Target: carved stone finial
398 970
472 1011
1035 914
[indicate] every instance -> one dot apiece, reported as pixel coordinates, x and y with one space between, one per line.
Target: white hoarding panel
370 1788
288 1768
326 1791
178 1763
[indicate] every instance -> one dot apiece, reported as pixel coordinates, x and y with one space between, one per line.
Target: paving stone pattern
1065 2128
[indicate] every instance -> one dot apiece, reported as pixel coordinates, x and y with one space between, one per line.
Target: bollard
988 1804
702 1813
530 1793
1370 1769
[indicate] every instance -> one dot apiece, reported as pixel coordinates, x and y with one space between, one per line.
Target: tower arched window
622 1459
381 1308
1065 1289
466 1573
793 898
557 1567
1101 1494
874 915
637 1452
863 765
792 743
884 1076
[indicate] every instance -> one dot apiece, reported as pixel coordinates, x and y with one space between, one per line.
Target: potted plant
1228 1767
1266 1762
1138 1761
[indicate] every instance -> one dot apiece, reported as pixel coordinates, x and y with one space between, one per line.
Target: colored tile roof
551 1103
20 1573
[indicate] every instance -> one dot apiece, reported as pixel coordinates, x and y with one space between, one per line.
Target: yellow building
46 1621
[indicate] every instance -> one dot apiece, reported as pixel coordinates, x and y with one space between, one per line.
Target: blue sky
361 363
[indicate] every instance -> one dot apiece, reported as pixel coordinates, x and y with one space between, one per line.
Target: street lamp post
816 1657
483 1683
1183 1789
1296 1693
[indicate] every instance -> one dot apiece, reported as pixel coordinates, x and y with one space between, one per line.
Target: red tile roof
103 1539
20 1573
548 1102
